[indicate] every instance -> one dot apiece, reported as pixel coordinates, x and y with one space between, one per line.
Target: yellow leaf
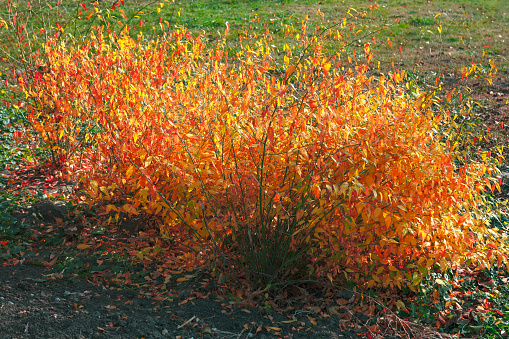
83 246
289 321
129 172
392 268
440 282
148 161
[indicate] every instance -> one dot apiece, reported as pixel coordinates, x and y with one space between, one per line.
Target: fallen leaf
341 301
277 329
289 321
83 246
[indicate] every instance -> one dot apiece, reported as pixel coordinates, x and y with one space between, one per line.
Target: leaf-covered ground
37 303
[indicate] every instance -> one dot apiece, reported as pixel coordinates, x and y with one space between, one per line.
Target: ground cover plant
293 160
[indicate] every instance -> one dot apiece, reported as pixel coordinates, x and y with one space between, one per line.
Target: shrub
317 171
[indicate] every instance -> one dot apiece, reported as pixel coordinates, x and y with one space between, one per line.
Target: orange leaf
277 329
289 71
461 220
449 95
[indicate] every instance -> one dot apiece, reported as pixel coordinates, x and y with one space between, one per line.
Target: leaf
342 301
270 328
449 94
312 320
129 172
440 282
83 246
270 134
289 321
99 230
289 71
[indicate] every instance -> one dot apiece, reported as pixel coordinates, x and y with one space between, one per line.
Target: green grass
467 30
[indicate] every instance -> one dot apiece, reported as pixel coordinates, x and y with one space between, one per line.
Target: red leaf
270 134
153 193
83 5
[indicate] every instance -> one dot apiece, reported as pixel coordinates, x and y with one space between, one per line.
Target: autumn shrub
321 171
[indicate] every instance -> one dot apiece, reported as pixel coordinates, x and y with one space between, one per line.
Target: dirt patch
37 303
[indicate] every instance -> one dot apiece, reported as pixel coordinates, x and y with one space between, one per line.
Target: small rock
24 286
49 210
344 294
211 286
164 332
362 317
151 321
184 294
57 299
